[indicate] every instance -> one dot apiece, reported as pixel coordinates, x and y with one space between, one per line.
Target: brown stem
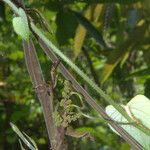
39 84
19 3
61 139
88 98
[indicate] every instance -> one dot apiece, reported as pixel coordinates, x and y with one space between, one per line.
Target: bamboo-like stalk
39 85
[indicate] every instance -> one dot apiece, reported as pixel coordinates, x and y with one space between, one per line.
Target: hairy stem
106 97
88 98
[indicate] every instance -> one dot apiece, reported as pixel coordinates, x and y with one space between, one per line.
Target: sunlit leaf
122 52
22 148
91 29
81 33
138 109
20 25
22 137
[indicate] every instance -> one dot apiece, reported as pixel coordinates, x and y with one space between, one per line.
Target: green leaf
140 73
31 140
122 52
138 109
91 29
38 18
22 137
20 25
21 145
81 33
66 25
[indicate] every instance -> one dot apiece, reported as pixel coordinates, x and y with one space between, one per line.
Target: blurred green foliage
122 67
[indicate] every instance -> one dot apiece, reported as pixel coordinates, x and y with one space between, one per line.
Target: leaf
124 58
122 52
23 15
21 145
38 18
20 25
22 137
81 33
66 25
91 29
138 109
97 13
20 28
140 73
31 140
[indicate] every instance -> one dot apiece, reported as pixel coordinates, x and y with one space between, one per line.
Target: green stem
11 4
86 78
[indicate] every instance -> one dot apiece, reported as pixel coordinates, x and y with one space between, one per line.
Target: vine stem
68 76
107 98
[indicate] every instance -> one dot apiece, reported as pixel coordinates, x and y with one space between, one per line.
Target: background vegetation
112 46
